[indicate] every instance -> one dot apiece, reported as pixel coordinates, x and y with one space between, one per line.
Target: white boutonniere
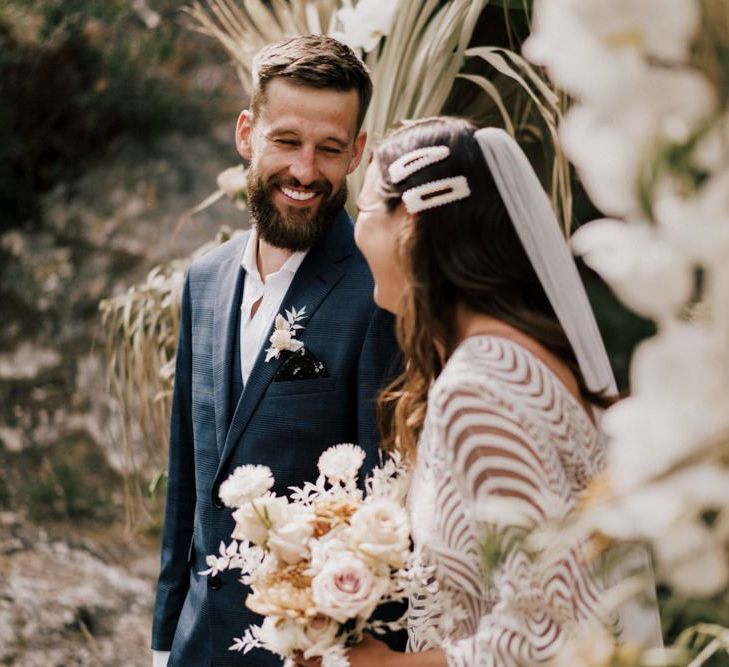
284 333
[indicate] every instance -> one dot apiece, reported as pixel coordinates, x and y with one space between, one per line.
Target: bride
505 377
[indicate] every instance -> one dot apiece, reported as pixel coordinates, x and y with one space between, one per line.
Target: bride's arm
372 651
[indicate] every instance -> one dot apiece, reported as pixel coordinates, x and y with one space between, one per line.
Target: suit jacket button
217 503
215 582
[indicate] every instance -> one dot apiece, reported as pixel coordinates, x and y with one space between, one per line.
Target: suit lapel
227 301
316 277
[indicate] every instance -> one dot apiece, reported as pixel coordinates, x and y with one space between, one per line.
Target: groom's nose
303 165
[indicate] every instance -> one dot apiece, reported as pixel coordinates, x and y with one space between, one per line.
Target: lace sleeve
511 479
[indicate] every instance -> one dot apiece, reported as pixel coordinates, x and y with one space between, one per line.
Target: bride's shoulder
490 363
499 371
478 374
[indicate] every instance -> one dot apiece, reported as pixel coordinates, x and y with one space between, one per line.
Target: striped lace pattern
505 446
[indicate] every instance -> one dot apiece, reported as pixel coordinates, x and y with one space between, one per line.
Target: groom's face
302 144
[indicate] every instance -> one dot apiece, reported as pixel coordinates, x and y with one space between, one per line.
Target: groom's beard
297 228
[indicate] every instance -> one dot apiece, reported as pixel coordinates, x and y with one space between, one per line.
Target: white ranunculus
317 635
244 484
367 23
254 520
341 463
346 588
288 539
234 181
380 532
648 274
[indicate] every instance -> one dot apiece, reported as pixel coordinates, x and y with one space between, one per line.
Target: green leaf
159 479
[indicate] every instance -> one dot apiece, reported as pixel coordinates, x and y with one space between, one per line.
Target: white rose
318 635
244 484
326 547
254 520
287 540
346 588
380 531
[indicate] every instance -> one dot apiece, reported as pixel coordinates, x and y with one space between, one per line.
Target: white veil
536 225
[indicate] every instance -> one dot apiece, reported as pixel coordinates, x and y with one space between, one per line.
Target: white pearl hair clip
413 161
436 193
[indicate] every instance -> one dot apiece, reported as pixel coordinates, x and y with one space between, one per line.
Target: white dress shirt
253 330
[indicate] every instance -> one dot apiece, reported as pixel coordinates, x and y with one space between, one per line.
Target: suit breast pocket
295 387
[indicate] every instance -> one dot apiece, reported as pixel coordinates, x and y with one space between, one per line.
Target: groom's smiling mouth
299 196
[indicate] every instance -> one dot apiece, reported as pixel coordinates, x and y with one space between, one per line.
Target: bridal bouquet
320 560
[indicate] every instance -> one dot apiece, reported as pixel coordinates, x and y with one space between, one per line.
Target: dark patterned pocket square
301 365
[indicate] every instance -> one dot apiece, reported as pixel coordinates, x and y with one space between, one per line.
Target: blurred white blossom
365 24
699 224
610 143
234 181
651 146
647 272
607 40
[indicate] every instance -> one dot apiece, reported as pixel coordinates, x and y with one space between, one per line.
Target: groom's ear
243 133
357 151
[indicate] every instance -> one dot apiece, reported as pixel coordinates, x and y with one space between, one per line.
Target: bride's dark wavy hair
466 252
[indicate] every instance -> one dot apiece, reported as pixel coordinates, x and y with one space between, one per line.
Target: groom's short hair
316 61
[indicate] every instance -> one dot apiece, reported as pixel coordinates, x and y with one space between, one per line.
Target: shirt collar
249 259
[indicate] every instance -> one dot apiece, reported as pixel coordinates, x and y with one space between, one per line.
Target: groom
243 396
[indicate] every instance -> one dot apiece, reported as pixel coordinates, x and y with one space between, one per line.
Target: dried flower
341 463
244 484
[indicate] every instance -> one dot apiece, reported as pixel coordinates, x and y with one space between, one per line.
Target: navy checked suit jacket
284 425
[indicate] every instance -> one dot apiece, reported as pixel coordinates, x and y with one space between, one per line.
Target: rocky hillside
76 587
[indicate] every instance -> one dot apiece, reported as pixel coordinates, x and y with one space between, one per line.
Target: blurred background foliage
76 75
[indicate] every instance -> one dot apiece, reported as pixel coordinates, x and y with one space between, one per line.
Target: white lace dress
504 445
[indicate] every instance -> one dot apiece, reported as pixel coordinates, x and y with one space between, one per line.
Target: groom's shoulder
209 263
